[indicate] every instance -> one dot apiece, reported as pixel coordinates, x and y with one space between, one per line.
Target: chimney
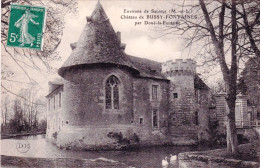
73 45
89 19
118 34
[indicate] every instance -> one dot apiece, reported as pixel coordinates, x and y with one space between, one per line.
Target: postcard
150 83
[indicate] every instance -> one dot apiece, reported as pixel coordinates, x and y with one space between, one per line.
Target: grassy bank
11 161
7 136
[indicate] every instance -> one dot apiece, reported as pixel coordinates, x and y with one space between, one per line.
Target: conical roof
98 43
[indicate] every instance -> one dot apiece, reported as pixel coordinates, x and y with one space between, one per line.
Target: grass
246 152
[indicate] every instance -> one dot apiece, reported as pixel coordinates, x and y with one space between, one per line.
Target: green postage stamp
26 26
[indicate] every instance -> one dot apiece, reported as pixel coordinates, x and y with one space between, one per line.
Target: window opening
141 120
154 92
59 99
112 93
196 118
155 118
175 95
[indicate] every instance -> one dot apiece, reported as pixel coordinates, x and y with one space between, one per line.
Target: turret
179 67
181 74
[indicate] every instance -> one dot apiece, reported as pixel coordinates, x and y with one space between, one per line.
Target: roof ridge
98 43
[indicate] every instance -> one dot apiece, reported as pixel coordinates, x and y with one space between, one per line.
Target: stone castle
108 99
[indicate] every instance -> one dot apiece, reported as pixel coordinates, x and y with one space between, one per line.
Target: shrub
55 134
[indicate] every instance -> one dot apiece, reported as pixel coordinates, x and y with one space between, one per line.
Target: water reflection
140 157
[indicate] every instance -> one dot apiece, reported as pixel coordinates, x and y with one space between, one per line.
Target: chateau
108 99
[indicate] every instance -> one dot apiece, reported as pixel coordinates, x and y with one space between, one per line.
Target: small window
197 96
54 121
54 103
67 122
175 95
62 124
59 99
154 92
49 104
59 123
141 120
258 115
155 118
196 122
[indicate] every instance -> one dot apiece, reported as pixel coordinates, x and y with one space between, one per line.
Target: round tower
98 87
181 74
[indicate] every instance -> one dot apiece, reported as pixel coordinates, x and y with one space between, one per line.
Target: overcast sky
140 40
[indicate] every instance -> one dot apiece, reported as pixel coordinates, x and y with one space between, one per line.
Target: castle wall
181 92
54 115
89 125
84 97
151 111
202 109
144 106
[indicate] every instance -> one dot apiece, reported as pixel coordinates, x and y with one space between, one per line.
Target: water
142 157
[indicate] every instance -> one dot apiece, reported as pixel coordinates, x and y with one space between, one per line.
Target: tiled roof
148 68
98 43
199 84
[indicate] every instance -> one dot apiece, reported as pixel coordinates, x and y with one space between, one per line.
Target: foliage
55 134
124 141
216 137
225 33
26 60
23 115
249 81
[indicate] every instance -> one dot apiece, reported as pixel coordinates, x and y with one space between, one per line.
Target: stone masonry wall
84 97
144 106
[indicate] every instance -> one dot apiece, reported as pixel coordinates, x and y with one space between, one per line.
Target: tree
27 59
5 109
227 33
218 86
31 109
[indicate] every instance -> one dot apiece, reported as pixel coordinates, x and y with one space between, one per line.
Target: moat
139 157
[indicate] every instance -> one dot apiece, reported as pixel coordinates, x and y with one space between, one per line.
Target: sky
141 40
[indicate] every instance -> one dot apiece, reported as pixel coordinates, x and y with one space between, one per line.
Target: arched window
196 119
112 93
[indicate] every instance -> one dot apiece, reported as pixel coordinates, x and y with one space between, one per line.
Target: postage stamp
26 26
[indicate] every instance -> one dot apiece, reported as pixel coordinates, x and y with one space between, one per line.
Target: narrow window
54 122
196 118
59 99
49 104
154 92
112 93
67 122
54 103
175 95
155 118
141 120
197 96
59 123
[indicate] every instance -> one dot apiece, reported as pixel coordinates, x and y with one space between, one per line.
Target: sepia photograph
130 83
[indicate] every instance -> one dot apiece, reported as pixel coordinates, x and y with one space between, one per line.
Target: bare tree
218 86
5 109
27 59
31 108
226 33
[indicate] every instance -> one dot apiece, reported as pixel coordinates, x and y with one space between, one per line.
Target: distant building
246 115
108 99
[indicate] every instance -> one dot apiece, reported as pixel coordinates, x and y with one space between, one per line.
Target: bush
55 134
124 141
241 139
